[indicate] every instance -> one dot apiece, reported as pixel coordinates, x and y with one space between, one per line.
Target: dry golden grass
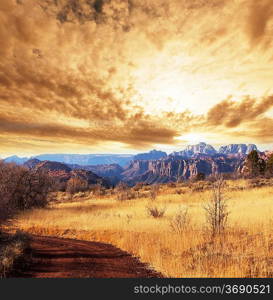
245 250
11 248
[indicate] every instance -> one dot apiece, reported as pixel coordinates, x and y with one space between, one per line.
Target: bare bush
180 192
138 186
199 177
216 209
180 221
156 212
97 189
171 184
211 178
257 182
22 188
200 186
122 186
128 194
125 193
75 185
231 176
11 249
59 186
154 192
35 186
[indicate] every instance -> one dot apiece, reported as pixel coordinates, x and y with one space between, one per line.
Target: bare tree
216 209
21 188
76 184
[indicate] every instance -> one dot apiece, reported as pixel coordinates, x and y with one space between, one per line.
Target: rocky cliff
63 172
191 150
177 168
206 149
237 149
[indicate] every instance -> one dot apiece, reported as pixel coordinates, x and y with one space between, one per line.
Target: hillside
62 172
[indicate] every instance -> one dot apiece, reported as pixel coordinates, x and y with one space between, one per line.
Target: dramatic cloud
89 75
231 114
260 17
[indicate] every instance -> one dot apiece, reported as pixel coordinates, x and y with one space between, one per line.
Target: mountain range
79 159
203 148
123 159
152 167
90 159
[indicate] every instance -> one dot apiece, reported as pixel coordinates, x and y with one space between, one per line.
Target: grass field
244 250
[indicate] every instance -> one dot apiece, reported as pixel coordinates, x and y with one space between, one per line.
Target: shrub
230 176
269 166
257 182
197 187
147 187
35 187
156 212
201 186
212 178
97 189
138 186
180 221
154 191
255 165
122 186
12 248
59 186
180 192
128 194
22 188
76 184
200 177
171 184
216 209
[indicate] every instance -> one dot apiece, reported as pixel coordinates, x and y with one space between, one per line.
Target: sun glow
193 137
166 83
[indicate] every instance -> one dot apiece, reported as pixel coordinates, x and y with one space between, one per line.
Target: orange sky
122 76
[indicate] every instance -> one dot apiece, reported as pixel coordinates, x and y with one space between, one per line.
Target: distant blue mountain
125 159
154 154
88 159
16 159
79 159
91 159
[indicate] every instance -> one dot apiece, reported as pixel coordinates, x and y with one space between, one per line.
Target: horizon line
130 154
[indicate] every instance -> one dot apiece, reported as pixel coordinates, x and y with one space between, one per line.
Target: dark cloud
131 133
230 114
260 14
259 131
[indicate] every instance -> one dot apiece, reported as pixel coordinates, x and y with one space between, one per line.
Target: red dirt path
53 257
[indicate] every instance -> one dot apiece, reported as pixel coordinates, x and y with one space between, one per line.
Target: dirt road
53 257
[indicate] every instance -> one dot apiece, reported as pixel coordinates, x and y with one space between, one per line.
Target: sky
123 76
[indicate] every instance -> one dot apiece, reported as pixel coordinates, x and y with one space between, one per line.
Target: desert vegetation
21 189
216 209
12 248
212 228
